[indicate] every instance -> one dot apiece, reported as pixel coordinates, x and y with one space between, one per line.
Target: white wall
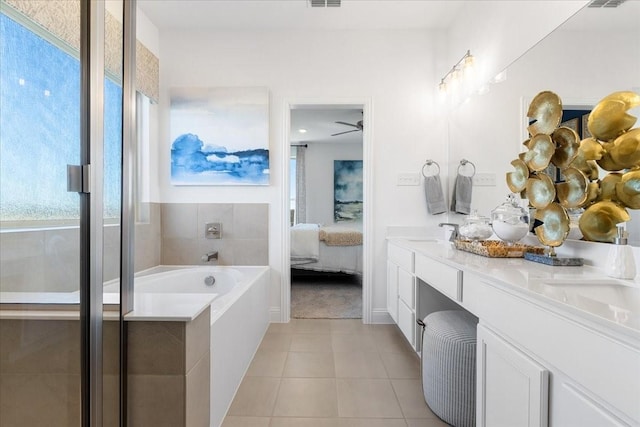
392 69
396 70
489 129
319 177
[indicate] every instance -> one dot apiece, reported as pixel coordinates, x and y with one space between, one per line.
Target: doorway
327 197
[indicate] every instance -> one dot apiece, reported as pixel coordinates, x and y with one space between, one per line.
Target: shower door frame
92 35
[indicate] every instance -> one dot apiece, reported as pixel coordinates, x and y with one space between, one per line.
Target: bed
333 248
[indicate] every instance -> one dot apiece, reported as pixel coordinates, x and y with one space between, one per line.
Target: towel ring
430 163
465 162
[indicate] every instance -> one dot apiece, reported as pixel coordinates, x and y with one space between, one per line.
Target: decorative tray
496 248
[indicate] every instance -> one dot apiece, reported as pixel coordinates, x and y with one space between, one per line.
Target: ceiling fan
358 127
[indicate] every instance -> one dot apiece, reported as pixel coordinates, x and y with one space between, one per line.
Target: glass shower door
40 351
57 246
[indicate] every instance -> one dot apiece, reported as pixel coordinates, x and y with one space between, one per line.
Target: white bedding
305 243
345 259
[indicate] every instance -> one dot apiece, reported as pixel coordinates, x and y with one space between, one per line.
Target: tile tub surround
245 238
33 258
168 365
332 373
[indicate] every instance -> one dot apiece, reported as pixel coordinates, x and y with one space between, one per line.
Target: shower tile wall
245 237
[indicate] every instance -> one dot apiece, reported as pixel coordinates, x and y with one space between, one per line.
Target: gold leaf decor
567 144
628 189
541 190
609 118
614 146
546 111
573 192
555 225
517 181
598 222
541 150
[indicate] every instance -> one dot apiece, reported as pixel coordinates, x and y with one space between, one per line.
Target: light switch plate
409 178
484 180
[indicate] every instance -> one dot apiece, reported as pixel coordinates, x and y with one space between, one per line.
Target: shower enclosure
67 128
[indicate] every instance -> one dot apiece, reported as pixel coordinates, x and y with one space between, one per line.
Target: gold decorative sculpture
614 147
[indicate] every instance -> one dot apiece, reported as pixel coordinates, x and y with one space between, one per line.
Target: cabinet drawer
401 256
444 278
406 288
406 322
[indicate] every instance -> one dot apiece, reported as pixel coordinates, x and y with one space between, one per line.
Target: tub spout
209 256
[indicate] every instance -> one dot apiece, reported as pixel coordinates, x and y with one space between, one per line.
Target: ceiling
320 124
273 15
298 15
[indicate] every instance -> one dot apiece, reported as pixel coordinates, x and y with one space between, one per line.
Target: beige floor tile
348 326
371 422
353 343
391 341
306 364
267 364
304 422
281 328
276 342
233 421
255 397
312 326
426 422
311 342
411 398
367 398
359 365
307 397
401 365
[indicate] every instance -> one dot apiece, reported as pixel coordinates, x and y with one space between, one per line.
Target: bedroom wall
319 168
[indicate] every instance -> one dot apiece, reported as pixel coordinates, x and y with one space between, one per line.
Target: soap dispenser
620 262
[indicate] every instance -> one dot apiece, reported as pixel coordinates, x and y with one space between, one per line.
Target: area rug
326 298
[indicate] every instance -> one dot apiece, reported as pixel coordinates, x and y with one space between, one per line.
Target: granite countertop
584 292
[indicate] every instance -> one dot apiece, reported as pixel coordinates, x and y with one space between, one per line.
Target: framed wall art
220 136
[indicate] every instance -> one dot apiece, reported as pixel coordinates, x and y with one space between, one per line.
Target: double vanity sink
557 346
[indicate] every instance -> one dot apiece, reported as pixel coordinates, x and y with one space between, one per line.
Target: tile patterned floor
332 373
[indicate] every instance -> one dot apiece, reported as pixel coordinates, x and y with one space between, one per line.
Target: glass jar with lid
476 227
510 221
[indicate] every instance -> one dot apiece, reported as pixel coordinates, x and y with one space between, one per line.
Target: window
40 129
292 187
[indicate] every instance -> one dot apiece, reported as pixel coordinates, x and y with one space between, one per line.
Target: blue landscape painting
220 136
347 190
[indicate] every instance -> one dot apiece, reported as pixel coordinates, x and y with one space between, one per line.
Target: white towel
305 242
461 197
434 195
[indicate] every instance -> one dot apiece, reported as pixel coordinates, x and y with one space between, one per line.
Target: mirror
588 57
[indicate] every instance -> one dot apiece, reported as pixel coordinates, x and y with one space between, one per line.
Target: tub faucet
209 256
454 233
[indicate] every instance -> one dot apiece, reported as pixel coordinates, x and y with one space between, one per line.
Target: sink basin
610 298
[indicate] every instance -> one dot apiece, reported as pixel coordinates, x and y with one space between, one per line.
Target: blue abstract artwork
220 136
347 190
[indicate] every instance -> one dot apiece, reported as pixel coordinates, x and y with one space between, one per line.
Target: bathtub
239 318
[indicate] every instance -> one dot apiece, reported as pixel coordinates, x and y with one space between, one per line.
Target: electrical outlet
484 180
408 179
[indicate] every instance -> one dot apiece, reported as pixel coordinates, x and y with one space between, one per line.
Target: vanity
557 346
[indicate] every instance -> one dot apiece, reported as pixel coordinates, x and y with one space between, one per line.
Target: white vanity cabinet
540 362
401 290
512 389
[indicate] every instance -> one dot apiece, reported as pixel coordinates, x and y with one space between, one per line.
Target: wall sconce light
459 72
